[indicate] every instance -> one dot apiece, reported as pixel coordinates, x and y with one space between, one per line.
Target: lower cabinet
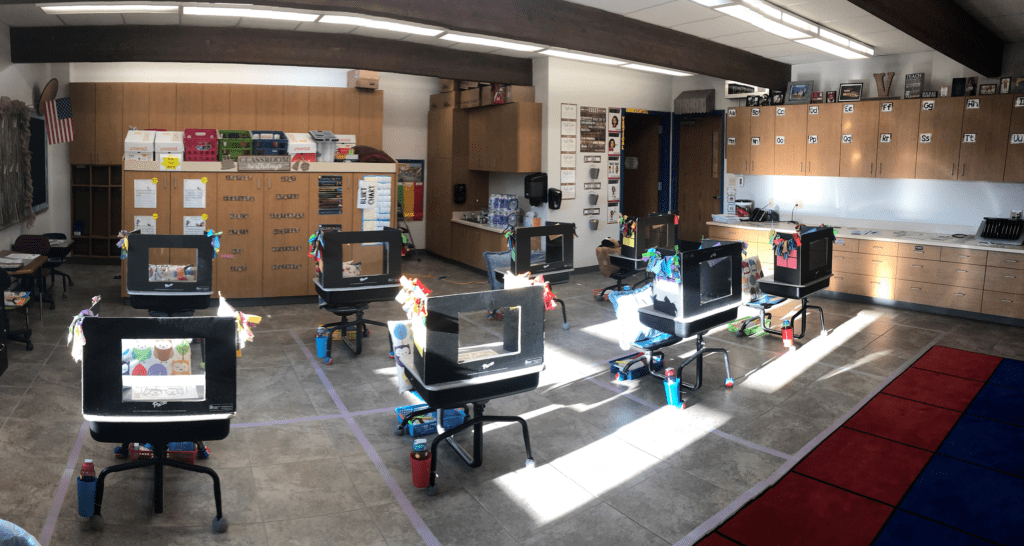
938 295
863 285
470 243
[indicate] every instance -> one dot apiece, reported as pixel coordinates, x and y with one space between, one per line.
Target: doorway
700 174
644 145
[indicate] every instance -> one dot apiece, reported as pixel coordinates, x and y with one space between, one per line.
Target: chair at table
21 336
58 255
36 244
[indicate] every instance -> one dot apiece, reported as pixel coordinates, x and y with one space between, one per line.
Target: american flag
59 126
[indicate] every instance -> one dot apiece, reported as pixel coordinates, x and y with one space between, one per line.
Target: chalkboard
37 146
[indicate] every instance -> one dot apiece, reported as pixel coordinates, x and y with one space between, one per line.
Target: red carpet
932 459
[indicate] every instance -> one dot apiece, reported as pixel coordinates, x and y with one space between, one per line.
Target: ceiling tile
823 11
151 18
378 33
93 19
857 26
27 15
207 21
674 13
805 58
275 24
717 27
1005 24
619 6
429 40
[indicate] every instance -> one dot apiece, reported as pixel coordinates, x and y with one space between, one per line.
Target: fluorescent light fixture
767 9
74 9
463 39
380 25
794 21
254 13
713 3
862 48
837 38
747 15
656 69
579 57
828 47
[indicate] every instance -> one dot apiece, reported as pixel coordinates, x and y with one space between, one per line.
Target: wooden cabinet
936 295
109 111
83 108
762 140
1008 260
242 114
881 248
824 129
240 217
216 107
163 104
737 144
864 264
863 285
469 244
964 255
938 147
858 140
944 273
328 188
1004 305
439 133
286 267
269 108
790 139
986 133
135 111
898 122
919 252
1015 151
295 113
1001 279
140 188
505 138
189 107
371 119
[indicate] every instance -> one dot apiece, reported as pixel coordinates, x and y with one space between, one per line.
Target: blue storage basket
636 371
269 146
451 418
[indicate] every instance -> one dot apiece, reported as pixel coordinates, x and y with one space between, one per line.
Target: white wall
406 98
24 82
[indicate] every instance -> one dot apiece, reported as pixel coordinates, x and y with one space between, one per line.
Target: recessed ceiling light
797 22
246 12
579 57
767 9
862 48
828 47
656 69
713 3
463 39
837 38
380 25
72 9
747 15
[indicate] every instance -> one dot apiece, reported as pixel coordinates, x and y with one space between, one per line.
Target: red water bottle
787 334
88 471
420 460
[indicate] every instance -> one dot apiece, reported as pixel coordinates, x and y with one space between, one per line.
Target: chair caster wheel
96 523
328 361
220 525
431 490
598 298
118 454
683 406
530 463
565 325
29 346
204 453
399 430
729 382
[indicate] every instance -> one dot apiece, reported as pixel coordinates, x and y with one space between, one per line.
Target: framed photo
987 89
776 97
1004 85
1018 86
959 87
850 92
913 85
410 170
944 91
972 86
799 92
817 97
929 94
830 96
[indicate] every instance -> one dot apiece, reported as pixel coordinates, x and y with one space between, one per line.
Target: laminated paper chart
569 128
374 201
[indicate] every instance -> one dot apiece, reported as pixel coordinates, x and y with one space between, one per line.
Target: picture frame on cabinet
944 91
972 86
1004 85
850 92
830 96
799 92
777 97
959 87
929 94
817 97
753 100
987 89
1018 86
913 85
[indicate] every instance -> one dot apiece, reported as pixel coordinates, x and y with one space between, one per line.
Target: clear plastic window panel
477 343
546 249
163 370
656 236
172 264
363 260
715 279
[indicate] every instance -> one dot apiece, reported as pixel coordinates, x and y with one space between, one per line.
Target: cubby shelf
95 210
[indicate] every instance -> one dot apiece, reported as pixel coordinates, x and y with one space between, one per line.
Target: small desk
31 268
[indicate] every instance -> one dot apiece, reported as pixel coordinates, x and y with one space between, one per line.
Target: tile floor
614 465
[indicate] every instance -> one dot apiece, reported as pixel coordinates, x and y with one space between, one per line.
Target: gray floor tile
817 402
725 463
783 431
355 528
599 525
303 489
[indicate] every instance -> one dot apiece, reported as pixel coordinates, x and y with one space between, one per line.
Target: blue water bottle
672 389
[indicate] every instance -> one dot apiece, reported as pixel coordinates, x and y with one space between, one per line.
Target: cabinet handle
880 261
963 256
915 265
959 294
165 183
175 182
258 183
961 271
914 288
838 278
808 167
801 166
269 182
872 169
1006 301
1009 277
876 282
952 170
879 168
918 252
839 257
879 247
963 169
1011 261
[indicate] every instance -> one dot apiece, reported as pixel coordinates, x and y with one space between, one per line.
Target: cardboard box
447 85
442 100
469 98
504 94
140 141
138 156
300 143
364 79
465 85
169 142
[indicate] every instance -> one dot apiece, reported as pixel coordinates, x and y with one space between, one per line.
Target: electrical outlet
799 204
771 202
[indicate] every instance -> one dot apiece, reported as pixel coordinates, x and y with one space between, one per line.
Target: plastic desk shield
711 282
808 262
158 369
556 240
360 259
439 363
656 230
192 277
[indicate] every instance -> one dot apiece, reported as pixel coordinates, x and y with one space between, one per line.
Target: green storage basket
233 144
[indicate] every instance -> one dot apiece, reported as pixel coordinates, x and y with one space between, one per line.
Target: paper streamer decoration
243 323
75 335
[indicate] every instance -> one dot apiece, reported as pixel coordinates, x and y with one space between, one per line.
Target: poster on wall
614 145
569 128
568 191
569 144
568 176
593 129
613 194
195 193
568 161
145 193
568 111
613 168
613 214
614 120
410 173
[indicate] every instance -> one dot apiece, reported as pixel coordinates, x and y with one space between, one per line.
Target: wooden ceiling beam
945 27
170 43
561 24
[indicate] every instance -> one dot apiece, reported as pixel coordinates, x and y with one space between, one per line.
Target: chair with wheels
58 256
36 244
448 375
550 249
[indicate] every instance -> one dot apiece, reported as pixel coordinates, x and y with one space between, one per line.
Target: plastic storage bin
326 145
234 143
451 418
201 145
269 143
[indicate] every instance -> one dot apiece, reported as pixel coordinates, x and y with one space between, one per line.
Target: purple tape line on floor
62 489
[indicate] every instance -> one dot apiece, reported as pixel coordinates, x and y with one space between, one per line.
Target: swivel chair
58 255
36 244
21 336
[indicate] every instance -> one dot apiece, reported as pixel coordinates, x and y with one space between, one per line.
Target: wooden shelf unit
96 202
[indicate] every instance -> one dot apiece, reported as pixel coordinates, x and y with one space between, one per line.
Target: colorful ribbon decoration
215 242
243 323
413 298
663 267
75 330
122 243
510 237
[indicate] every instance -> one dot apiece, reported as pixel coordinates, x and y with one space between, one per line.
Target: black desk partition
556 242
169 272
654 231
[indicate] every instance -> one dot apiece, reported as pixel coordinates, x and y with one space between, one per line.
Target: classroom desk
31 268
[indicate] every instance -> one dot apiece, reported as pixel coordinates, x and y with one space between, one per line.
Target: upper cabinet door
790 139
857 142
898 122
939 135
83 108
737 140
824 128
986 131
1015 152
109 111
762 140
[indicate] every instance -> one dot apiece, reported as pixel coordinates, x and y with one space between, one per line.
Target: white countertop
485 227
874 234
314 167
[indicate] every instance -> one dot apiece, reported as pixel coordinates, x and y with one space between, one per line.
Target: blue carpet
906 529
1010 373
987 443
999 404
